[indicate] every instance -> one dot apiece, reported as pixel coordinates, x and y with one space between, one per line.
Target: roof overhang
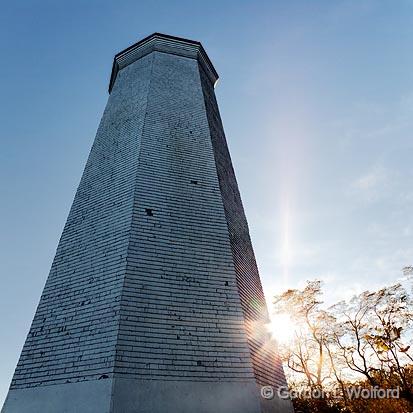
166 44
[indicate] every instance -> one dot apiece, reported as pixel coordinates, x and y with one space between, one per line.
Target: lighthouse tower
153 303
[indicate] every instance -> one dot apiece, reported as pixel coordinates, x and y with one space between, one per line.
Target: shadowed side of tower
153 302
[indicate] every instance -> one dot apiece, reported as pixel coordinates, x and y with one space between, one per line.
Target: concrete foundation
133 396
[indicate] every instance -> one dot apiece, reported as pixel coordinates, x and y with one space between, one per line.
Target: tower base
121 395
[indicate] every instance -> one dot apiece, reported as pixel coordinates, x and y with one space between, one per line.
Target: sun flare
281 328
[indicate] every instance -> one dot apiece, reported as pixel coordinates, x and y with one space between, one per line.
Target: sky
317 103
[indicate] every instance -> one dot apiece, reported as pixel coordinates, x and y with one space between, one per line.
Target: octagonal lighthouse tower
153 303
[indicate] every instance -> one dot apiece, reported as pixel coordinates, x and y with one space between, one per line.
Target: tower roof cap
166 44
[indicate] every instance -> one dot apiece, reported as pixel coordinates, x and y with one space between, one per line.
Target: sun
281 328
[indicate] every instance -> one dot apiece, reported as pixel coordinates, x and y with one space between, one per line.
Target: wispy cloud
374 184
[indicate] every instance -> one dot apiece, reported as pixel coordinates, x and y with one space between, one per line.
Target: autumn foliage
363 343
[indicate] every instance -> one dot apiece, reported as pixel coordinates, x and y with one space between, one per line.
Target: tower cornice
167 44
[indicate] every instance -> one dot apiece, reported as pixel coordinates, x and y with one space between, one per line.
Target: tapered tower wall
153 302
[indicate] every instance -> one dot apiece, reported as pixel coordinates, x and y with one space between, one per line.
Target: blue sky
317 103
